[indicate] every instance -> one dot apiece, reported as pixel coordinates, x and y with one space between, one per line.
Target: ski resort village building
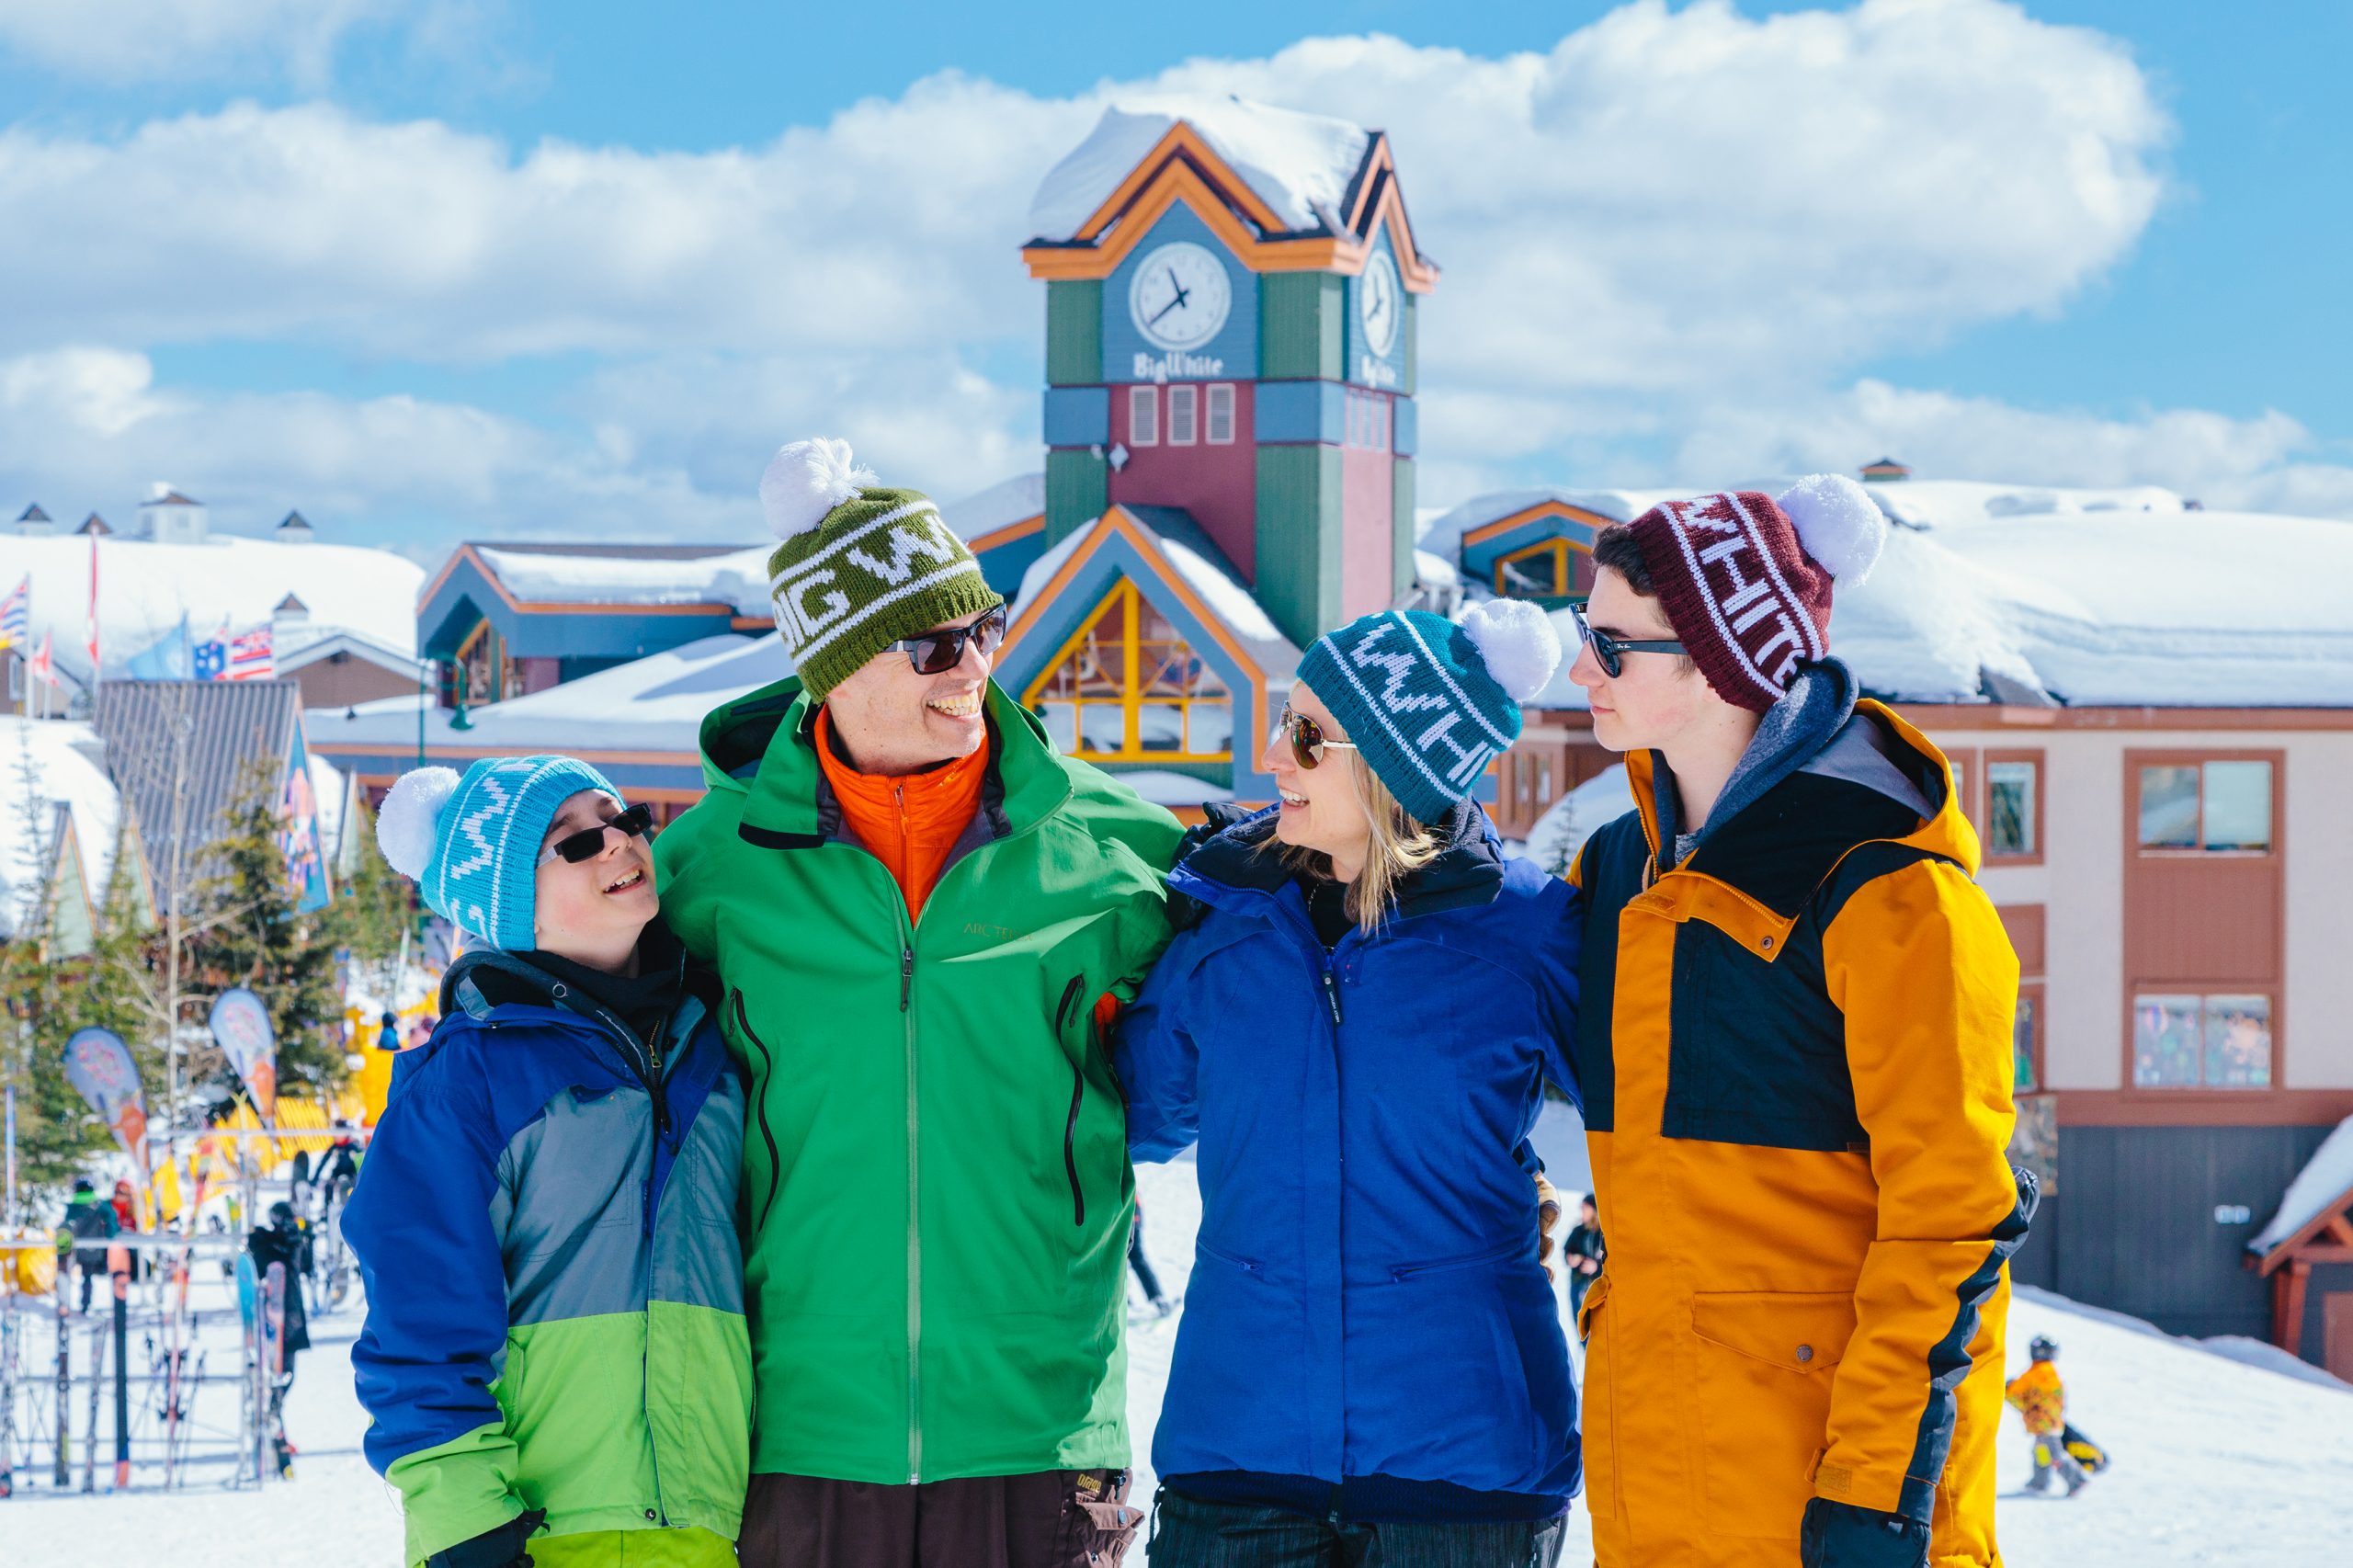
2148 705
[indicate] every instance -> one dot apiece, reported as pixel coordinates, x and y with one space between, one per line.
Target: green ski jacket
936 1186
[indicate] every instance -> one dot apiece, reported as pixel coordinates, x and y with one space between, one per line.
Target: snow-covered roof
145 587
1295 162
1014 501
300 646
718 574
2326 1177
65 764
1444 534
656 703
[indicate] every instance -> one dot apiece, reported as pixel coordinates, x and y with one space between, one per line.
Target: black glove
501 1548
1184 913
1840 1535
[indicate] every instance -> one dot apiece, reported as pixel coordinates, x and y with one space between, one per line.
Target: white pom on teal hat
472 843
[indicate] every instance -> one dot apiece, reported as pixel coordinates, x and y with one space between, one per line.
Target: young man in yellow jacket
1796 1051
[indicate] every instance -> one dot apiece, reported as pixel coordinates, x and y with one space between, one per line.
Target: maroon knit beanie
1744 579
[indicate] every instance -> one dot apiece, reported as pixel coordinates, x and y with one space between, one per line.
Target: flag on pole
251 656
211 661
17 615
42 666
90 626
167 658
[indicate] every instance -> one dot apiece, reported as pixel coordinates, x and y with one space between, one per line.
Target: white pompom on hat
409 825
1518 643
806 480
1837 522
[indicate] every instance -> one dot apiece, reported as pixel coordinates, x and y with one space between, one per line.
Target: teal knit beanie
472 844
1429 702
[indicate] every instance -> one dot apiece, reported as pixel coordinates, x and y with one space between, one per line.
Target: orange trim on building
1527 515
1137 535
541 607
1007 534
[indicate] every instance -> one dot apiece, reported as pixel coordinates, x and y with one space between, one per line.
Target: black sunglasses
1607 648
1308 743
589 842
937 652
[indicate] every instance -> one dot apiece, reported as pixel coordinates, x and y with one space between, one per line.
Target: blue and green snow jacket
546 1226
1366 1311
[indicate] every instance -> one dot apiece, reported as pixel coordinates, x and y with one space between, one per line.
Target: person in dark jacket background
287 1241
1357 1031
1583 1252
92 1224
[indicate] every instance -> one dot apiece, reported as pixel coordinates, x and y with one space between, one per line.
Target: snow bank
1567 822
1299 164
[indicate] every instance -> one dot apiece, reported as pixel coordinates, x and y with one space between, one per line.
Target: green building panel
1077 491
1299 538
1301 335
1401 504
1075 333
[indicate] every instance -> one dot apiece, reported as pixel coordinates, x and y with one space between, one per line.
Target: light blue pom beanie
472 844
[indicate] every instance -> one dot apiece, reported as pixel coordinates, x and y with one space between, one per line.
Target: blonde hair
1395 846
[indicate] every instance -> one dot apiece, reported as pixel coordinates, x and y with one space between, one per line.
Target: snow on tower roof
1295 162
2326 1177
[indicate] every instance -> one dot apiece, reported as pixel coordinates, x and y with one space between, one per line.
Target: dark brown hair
1614 547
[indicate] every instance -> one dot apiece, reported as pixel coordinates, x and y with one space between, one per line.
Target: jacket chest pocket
1765 1362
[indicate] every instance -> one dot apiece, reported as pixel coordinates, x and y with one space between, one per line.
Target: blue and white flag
17 615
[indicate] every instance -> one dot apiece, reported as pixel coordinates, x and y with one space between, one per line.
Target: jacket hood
1897 783
487 978
1241 863
782 785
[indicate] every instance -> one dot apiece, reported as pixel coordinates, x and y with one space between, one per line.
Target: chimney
295 529
35 523
95 526
290 618
1887 471
166 516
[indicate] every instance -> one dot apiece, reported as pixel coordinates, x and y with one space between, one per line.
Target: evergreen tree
250 933
375 911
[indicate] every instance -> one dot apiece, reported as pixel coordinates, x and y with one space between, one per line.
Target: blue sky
333 294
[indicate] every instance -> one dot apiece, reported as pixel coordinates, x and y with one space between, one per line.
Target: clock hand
1164 310
1182 293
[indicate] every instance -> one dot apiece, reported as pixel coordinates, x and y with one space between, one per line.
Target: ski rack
156 1427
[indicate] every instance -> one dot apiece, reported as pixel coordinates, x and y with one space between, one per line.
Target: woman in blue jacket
1355 1031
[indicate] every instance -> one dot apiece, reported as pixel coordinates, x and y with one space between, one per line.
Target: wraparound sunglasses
589 842
937 652
1608 649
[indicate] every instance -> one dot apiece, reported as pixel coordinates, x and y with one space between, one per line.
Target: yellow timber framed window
1545 570
481 673
1126 688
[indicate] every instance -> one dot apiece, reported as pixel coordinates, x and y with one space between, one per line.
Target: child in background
546 1220
2041 1398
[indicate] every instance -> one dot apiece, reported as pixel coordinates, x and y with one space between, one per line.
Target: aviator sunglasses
1308 743
589 842
1607 648
937 652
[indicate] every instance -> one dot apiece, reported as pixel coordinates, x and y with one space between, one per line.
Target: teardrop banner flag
241 1023
99 1064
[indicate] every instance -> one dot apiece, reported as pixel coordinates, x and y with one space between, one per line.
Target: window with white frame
1143 416
1183 404
1220 415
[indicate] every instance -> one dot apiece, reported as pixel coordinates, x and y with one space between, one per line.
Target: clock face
1179 295
1378 299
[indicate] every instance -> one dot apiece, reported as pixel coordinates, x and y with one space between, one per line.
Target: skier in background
285 1240
2041 1398
92 1224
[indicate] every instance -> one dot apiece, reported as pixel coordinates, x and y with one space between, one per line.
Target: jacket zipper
1077 1096
760 1105
915 1213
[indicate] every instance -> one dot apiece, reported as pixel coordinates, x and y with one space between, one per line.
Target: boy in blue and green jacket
555 1361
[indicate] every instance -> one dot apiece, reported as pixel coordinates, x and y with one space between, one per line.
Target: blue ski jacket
1366 1300
546 1227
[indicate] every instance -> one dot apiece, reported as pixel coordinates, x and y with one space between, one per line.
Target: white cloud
2269 462
1671 223
142 41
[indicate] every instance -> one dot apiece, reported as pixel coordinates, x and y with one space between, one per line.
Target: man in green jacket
915 905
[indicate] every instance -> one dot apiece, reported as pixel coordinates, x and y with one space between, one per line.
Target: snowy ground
2216 1462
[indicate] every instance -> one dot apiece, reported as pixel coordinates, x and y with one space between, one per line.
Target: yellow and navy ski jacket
1795 1048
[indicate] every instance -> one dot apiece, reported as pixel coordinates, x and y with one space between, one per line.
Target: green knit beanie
860 566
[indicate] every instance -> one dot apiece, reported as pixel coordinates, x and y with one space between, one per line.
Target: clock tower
1230 303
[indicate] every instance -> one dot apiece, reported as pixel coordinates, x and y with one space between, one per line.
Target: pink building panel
1367 544
1216 480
